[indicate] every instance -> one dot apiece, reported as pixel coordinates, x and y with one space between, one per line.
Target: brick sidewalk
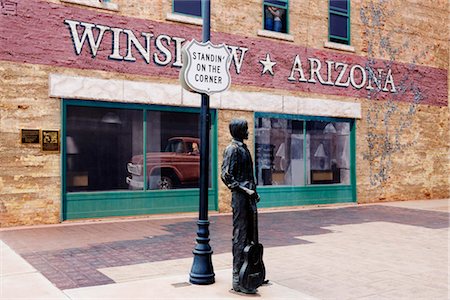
70 255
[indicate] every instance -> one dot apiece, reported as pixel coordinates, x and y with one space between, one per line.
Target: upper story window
276 15
339 21
192 8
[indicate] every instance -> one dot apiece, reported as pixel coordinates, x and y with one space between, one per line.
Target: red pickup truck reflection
177 166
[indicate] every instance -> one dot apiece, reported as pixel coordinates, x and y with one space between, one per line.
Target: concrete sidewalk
19 280
363 252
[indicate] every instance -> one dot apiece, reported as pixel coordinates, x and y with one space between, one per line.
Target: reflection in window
328 145
276 15
105 146
171 160
99 143
188 7
280 152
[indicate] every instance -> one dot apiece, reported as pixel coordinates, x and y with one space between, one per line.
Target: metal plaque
29 136
50 140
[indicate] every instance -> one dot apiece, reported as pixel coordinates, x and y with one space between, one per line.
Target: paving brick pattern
69 256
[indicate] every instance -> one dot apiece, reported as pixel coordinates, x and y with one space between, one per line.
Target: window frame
187 15
309 193
93 204
287 15
343 13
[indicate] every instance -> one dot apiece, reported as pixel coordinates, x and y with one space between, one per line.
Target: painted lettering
208 57
352 76
389 80
314 67
133 41
234 57
374 79
329 72
337 73
343 68
87 33
116 44
297 67
163 50
178 45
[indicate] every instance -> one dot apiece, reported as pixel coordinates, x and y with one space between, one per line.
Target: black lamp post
202 271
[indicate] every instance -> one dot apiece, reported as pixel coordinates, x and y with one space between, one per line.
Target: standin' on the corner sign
205 67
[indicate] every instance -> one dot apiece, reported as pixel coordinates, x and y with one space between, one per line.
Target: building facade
347 101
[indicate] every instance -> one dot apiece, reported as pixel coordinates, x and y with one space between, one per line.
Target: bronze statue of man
237 174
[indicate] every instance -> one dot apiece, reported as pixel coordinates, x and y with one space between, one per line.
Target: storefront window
104 149
329 155
279 152
173 150
125 159
99 144
105 146
286 155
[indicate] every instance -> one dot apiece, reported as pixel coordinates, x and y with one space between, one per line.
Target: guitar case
253 271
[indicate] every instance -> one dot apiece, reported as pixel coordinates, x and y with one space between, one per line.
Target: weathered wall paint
30 191
38 34
401 147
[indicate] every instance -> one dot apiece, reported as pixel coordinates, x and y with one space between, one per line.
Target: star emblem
268 65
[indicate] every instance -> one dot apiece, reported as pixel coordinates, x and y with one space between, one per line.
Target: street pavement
395 250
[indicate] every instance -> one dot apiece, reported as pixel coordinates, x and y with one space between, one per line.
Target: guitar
253 272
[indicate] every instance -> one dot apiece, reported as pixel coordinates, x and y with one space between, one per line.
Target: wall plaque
50 140
29 136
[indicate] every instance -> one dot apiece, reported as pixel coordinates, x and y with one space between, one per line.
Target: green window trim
343 13
285 6
78 205
310 194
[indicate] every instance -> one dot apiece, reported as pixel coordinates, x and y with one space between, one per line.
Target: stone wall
402 156
30 184
402 147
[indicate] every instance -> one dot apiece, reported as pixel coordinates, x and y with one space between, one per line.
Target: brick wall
402 146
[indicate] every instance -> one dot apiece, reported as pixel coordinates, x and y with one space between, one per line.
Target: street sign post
205 71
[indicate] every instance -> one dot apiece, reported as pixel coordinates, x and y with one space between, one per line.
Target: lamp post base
202 271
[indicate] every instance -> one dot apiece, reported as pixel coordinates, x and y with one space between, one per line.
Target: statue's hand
249 192
234 185
252 194
255 197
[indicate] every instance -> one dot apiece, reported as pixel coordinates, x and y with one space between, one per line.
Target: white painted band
114 90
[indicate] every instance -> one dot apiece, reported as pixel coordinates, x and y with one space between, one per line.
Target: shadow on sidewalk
93 246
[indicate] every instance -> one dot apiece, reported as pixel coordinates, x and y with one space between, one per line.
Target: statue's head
239 129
